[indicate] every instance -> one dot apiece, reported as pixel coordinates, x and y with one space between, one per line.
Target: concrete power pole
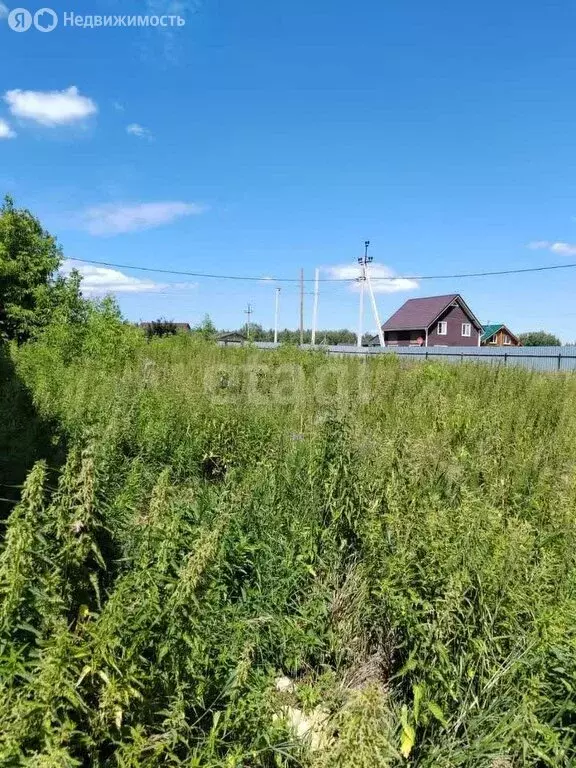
367 261
248 312
276 314
364 262
301 306
375 310
315 313
362 281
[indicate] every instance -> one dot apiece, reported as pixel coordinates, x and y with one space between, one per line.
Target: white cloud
563 249
3 11
135 129
50 107
5 131
100 281
382 277
115 219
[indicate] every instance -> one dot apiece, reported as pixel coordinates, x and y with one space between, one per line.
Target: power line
272 280
481 274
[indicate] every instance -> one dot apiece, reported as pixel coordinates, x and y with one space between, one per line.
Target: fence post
505 358
559 361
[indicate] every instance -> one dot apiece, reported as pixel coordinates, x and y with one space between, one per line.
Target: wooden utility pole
302 306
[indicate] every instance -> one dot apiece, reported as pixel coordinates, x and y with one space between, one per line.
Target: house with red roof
433 321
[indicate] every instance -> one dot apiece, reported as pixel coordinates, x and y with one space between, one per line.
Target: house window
466 329
493 340
506 340
442 328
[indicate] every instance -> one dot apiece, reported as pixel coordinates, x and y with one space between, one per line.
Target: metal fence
538 358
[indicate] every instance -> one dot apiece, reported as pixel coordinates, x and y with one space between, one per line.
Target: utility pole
248 312
315 313
301 307
367 260
363 261
362 281
276 313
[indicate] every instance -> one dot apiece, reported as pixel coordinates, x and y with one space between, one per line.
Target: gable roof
490 330
232 336
419 314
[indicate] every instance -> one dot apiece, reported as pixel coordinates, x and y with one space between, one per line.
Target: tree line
207 328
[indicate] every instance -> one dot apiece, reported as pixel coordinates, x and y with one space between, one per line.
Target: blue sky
263 137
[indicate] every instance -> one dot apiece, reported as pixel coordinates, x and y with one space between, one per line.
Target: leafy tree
258 333
287 336
63 302
30 288
539 339
207 329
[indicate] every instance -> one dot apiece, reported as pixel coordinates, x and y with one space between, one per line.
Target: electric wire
374 278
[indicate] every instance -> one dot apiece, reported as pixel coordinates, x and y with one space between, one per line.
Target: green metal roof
490 330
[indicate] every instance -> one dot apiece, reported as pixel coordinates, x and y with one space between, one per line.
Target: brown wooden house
498 335
433 321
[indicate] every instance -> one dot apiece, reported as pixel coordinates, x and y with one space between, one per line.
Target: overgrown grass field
398 541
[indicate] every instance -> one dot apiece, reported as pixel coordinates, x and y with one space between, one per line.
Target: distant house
182 327
498 335
233 339
433 321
